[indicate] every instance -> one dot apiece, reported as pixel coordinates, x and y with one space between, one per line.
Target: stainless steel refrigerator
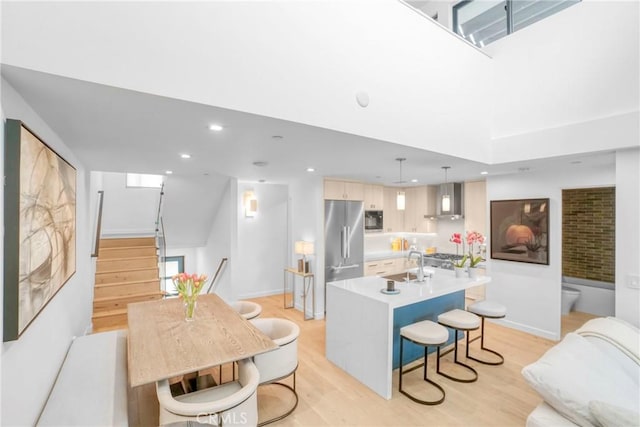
343 240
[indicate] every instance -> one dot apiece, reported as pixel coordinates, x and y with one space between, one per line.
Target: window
173 265
484 21
140 180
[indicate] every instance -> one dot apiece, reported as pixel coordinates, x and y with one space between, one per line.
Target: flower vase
459 271
189 310
473 272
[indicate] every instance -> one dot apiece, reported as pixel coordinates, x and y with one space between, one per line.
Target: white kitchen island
363 324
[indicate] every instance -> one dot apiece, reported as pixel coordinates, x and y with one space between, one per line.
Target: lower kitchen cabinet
384 267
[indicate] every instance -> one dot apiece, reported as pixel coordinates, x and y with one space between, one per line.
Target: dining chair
282 362
247 309
232 403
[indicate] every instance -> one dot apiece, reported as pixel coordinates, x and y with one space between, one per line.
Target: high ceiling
112 129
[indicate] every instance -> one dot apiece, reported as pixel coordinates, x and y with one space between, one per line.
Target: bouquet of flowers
189 287
457 239
474 237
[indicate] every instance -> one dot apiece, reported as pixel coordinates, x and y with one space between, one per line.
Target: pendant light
446 198
400 198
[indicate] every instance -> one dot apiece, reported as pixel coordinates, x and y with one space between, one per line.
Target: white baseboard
266 293
528 329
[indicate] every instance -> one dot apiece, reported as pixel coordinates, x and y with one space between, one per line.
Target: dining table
162 344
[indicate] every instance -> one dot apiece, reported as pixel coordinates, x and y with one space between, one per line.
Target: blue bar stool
458 320
490 310
425 333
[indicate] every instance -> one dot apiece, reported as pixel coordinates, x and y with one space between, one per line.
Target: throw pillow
613 416
573 373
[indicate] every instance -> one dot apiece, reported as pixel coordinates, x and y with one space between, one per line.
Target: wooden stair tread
132 296
125 270
127 258
114 248
128 282
107 313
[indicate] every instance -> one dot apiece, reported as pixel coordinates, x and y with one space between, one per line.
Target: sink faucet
420 267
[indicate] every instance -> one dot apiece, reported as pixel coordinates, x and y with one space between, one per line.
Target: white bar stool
458 320
424 333
491 310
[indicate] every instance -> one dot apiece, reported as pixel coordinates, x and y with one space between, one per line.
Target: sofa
591 378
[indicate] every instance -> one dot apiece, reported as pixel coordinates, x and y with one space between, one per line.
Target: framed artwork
520 230
40 226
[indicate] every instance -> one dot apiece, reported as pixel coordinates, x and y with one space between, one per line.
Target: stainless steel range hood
455 192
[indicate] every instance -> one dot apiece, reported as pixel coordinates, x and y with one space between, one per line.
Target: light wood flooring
330 397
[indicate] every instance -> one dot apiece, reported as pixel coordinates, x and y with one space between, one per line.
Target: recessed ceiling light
185 156
260 163
262 180
277 137
523 169
484 173
168 172
216 128
576 162
311 170
414 180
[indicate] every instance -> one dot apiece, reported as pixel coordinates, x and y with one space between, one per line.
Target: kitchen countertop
376 256
443 282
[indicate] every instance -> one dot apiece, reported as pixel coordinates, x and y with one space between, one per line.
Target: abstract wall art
40 226
520 230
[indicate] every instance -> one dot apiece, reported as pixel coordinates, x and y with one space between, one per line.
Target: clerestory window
484 21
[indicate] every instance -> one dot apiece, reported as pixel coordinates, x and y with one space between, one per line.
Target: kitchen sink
400 277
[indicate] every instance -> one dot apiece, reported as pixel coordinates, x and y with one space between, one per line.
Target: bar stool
458 320
491 310
424 333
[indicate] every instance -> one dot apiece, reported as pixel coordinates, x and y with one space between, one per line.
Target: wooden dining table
162 344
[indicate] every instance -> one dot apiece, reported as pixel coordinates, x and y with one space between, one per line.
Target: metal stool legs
415 399
290 411
482 347
455 360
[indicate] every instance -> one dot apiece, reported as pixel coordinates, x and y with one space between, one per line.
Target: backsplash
588 233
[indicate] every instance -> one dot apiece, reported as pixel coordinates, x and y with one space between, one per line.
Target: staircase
126 271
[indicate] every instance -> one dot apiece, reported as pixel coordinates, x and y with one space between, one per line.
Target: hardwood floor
329 397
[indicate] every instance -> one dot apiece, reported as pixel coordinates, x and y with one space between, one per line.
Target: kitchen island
363 324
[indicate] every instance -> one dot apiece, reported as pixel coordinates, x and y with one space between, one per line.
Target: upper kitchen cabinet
343 190
419 216
373 197
475 206
393 219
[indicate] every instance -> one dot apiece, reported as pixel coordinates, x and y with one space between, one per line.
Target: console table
308 283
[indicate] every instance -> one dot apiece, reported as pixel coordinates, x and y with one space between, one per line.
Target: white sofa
591 378
91 387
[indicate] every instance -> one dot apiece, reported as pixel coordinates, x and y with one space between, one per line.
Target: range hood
455 193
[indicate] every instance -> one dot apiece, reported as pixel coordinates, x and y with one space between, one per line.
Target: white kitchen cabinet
475 206
420 209
343 190
393 219
373 197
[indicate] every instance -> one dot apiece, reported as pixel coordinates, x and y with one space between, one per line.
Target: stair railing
223 262
161 242
96 239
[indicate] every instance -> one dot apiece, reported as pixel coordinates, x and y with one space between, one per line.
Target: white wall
306 198
261 242
567 84
628 234
30 364
413 70
531 292
127 211
219 243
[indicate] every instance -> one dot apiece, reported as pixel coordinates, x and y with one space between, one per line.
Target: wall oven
372 221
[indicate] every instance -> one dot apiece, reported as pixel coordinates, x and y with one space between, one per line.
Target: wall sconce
303 248
250 203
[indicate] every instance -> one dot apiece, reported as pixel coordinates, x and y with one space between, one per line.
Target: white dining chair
247 309
282 362
230 404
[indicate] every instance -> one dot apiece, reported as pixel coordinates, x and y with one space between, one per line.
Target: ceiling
118 130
